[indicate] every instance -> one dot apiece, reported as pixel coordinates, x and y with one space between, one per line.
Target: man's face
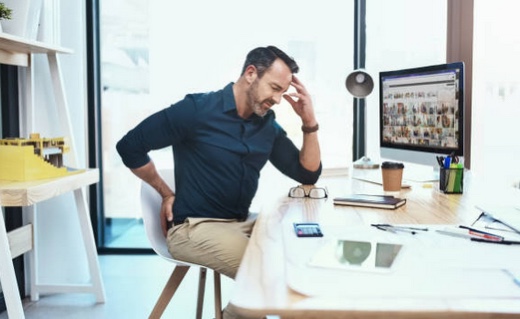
266 91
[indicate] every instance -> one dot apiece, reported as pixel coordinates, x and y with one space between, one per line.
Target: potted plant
25 18
5 12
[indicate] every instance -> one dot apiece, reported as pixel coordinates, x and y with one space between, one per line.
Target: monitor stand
420 173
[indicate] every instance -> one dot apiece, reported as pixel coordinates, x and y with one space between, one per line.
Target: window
155 52
496 92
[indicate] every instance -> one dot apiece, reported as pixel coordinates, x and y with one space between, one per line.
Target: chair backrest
151 208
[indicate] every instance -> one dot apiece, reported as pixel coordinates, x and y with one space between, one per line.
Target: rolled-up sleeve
162 129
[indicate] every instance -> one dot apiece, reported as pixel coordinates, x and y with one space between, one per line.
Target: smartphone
307 230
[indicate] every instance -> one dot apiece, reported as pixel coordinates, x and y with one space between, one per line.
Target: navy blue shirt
217 154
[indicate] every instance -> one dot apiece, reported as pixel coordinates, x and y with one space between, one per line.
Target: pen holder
451 180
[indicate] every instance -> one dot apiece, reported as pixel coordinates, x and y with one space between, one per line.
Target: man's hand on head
301 103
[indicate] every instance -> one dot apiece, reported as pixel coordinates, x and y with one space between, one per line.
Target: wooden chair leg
202 288
218 296
169 290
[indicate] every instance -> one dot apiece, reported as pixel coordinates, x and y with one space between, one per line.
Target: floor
132 285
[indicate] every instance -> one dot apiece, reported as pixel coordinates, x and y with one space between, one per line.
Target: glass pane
125 100
155 52
496 91
400 34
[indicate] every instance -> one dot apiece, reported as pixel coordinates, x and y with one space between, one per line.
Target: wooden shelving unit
18 51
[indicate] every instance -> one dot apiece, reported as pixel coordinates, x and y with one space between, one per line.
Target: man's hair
263 57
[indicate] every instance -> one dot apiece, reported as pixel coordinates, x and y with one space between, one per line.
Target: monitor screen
421 112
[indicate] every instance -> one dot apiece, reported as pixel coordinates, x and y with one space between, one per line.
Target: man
220 142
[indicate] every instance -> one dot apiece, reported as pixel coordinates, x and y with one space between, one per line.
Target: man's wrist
168 196
310 129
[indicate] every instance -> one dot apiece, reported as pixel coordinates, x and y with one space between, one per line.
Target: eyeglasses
313 192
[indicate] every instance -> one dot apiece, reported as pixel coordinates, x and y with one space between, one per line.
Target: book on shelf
366 200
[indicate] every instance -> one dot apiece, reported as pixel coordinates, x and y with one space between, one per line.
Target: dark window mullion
11 128
359 135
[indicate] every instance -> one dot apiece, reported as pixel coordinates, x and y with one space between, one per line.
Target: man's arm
148 173
310 155
155 132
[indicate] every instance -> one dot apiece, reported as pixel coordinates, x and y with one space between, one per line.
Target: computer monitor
422 113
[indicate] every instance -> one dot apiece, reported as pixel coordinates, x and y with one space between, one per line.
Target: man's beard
252 100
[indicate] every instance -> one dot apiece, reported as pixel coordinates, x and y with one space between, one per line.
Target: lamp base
365 163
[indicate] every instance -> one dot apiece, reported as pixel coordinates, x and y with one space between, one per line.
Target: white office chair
151 206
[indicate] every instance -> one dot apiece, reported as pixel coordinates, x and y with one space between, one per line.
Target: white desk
273 256
21 240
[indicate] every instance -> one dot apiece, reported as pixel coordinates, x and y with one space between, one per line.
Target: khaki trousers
218 244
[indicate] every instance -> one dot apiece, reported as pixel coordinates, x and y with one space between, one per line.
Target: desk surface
31 192
272 264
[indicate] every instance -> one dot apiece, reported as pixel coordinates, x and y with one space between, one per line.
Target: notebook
365 200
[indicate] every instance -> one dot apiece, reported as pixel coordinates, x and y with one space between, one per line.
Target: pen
454 233
383 228
464 233
447 162
454 158
406 230
500 242
440 161
392 228
402 227
483 234
460 234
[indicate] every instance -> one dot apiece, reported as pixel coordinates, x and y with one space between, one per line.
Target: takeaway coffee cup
392 176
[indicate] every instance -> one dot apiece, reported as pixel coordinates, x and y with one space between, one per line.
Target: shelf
16 50
31 192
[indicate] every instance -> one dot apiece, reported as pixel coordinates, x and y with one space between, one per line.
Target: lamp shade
359 83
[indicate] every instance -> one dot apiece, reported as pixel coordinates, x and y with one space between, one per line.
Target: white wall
61 254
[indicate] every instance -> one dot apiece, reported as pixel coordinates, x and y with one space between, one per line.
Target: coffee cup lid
392 165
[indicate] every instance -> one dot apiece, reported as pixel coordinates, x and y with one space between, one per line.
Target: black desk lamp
360 85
